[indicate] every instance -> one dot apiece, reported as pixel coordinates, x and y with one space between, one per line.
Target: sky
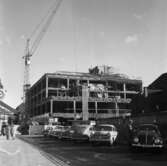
129 35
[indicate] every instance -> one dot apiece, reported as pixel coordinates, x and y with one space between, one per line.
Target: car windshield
103 128
148 128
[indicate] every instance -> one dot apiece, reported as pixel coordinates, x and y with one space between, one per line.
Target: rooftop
114 76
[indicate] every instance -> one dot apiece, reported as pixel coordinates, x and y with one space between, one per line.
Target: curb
48 156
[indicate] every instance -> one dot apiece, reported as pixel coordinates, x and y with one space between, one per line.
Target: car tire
111 142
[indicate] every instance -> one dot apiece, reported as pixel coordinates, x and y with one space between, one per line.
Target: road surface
84 154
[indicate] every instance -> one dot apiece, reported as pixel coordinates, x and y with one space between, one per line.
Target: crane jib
31 48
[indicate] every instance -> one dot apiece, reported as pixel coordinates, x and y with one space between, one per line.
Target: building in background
2 93
61 94
20 113
153 99
6 113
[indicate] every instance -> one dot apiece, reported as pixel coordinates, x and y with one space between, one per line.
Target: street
79 154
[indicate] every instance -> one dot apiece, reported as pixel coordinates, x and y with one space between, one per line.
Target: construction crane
34 40
2 92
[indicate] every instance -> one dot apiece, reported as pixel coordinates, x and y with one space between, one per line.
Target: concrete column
68 83
96 109
74 107
145 92
124 89
116 108
46 86
85 97
51 107
78 83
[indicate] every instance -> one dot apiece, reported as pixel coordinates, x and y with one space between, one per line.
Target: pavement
19 153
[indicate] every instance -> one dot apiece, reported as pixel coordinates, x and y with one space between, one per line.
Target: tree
94 70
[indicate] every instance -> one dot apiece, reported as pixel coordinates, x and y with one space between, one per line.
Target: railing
91 99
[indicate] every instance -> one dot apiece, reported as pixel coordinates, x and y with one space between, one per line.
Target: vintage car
52 131
66 134
103 133
80 132
59 132
147 136
48 130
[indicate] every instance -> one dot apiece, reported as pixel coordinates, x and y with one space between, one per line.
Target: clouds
132 39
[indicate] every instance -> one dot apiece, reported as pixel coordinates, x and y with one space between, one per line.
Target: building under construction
75 95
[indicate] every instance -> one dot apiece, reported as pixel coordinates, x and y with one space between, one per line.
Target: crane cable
40 23
48 17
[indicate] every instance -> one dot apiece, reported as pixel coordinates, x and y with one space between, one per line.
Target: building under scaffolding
75 95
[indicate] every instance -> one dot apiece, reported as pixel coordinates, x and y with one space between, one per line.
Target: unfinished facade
60 94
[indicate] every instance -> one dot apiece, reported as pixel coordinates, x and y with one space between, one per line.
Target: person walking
130 129
3 129
7 131
12 131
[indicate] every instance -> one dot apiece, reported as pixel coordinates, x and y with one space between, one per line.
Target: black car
147 136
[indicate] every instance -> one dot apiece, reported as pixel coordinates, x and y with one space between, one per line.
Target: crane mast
26 85
31 47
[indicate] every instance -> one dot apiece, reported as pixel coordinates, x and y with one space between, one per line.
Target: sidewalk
18 153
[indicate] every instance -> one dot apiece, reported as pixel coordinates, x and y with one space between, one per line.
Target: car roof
105 125
149 124
82 125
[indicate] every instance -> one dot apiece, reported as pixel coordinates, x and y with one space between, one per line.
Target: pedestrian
7 131
130 129
12 131
3 129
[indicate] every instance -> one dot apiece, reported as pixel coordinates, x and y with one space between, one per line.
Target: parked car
60 130
103 133
66 134
52 130
147 136
80 132
48 130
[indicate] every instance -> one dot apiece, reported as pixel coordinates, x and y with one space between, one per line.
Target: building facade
153 99
76 95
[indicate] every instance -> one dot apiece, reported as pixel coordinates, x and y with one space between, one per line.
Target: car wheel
111 141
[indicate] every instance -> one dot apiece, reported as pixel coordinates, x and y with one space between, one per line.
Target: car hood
150 133
101 132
